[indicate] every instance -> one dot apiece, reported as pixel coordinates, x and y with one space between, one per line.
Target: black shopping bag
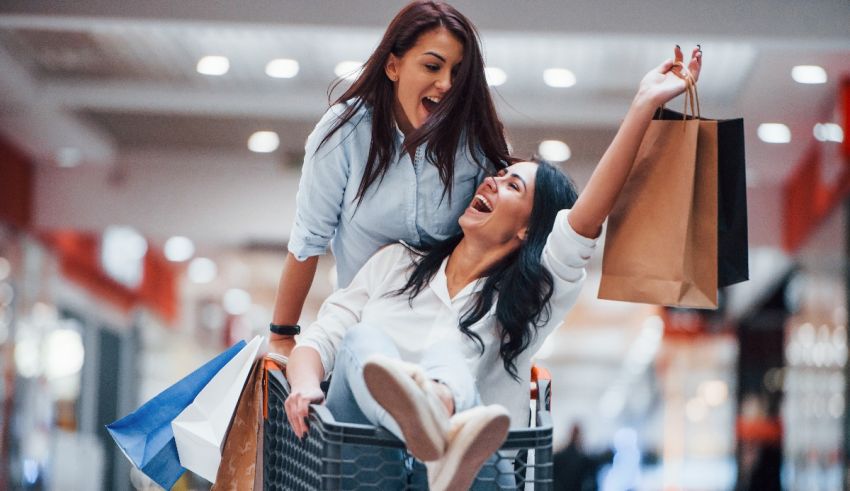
732 245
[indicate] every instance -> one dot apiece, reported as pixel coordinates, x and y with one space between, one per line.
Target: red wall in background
79 252
79 259
808 200
16 186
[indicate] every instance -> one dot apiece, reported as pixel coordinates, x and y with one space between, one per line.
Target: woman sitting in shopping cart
436 346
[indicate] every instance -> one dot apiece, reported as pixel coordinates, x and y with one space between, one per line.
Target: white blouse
434 316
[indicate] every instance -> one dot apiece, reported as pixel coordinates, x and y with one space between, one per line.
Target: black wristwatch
285 329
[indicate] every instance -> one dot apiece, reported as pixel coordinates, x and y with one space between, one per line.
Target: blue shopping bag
145 435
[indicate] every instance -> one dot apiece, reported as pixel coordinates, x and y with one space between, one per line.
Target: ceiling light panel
263 142
559 77
213 65
282 68
809 74
554 150
495 76
348 69
828 132
774 133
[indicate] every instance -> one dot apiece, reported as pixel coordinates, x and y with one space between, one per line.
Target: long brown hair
466 112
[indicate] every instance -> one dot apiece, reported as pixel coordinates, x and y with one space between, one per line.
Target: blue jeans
349 401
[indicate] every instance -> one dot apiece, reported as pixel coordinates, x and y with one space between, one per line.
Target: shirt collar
398 132
439 284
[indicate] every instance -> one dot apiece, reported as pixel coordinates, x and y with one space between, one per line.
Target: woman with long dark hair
417 337
396 157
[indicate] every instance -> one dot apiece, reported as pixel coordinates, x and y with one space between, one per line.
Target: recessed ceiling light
348 70
554 150
213 65
282 68
202 270
236 301
559 77
495 76
178 249
808 74
774 133
263 142
828 132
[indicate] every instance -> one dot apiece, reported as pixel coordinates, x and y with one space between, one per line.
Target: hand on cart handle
297 407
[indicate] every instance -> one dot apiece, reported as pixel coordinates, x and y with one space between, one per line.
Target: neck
401 120
470 261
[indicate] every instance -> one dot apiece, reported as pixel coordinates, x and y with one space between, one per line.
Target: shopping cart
337 455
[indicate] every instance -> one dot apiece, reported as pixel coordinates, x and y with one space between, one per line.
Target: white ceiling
115 79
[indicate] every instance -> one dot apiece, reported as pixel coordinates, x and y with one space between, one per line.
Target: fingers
297 408
695 64
666 66
677 66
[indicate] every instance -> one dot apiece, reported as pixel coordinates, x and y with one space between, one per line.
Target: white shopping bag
200 429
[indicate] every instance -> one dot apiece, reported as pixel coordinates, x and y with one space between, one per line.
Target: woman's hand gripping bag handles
200 429
679 228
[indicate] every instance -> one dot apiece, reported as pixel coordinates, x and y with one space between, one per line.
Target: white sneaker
408 396
474 436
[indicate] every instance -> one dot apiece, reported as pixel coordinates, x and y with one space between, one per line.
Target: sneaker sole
399 395
464 462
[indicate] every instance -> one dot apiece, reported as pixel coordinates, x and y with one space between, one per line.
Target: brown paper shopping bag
661 243
241 458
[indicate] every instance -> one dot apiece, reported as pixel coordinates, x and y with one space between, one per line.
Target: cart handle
538 373
270 363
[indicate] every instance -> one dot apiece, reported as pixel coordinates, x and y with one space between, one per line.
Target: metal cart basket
337 455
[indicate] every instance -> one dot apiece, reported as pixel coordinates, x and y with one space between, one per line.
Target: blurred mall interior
150 154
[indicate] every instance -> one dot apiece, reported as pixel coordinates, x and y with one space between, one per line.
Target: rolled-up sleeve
321 190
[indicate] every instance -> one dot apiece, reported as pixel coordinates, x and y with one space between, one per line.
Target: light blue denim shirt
408 204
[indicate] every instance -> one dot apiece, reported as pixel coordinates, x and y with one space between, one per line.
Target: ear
391 68
522 234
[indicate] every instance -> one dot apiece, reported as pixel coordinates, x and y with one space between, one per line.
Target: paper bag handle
690 93
271 361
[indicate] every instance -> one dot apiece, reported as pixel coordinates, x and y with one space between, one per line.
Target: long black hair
519 284
466 112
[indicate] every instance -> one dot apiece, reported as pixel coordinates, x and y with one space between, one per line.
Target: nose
491 183
444 82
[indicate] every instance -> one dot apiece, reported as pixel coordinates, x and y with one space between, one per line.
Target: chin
467 223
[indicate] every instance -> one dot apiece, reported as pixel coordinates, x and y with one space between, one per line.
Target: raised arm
659 86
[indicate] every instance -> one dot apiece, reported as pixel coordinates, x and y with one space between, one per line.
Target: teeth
435 100
484 201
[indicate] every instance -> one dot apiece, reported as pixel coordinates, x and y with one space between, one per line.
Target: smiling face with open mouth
502 204
422 76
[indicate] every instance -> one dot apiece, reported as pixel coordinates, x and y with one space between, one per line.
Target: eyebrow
524 184
436 55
